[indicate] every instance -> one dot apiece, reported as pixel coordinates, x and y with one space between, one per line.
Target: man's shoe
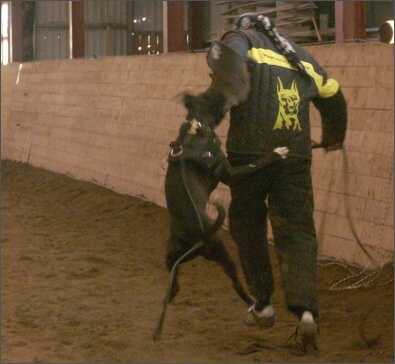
264 318
307 332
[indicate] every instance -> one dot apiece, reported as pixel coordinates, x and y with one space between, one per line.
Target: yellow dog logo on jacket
289 100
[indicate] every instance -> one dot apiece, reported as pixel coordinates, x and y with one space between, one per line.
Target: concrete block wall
360 180
110 121
107 120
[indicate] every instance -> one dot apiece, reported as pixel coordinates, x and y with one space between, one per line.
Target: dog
195 163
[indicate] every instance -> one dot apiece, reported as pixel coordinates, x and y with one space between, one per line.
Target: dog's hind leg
215 251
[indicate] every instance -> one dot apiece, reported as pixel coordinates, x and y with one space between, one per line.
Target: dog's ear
192 104
190 101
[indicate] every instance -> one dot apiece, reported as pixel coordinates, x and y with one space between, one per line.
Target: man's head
255 21
266 26
246 21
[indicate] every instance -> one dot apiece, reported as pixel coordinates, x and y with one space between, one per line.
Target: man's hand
283 151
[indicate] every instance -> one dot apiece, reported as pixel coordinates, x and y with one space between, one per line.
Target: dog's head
289 100
199 145
207 108
197 141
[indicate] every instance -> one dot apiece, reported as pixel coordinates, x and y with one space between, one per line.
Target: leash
347 204
177 151
197 246
184 179
348 212
159 327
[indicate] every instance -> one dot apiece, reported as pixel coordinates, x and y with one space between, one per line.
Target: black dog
195 164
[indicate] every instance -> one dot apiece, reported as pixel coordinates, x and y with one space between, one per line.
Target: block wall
110 121
357 186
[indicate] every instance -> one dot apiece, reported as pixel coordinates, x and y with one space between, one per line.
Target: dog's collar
176 149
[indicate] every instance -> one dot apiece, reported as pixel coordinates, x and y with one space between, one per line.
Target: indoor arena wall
110 121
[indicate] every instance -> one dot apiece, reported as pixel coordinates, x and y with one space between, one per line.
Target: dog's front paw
283 151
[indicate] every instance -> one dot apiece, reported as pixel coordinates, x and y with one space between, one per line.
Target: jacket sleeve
330 103
332 107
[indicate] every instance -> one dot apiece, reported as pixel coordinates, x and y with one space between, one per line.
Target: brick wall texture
110 121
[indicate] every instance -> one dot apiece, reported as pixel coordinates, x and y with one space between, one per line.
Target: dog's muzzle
207 157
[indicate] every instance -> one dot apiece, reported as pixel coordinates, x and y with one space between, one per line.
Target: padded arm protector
229 87
333 111
222 169
230 74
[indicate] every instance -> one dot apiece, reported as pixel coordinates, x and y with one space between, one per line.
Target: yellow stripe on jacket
272 58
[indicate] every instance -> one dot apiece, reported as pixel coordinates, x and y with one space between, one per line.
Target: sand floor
83 278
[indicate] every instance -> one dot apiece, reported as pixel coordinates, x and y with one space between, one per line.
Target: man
283 79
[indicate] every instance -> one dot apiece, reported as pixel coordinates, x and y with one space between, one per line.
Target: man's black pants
282 191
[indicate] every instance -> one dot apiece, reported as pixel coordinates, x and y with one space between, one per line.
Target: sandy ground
83 278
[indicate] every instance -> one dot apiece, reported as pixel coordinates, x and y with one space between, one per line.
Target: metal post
165 28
